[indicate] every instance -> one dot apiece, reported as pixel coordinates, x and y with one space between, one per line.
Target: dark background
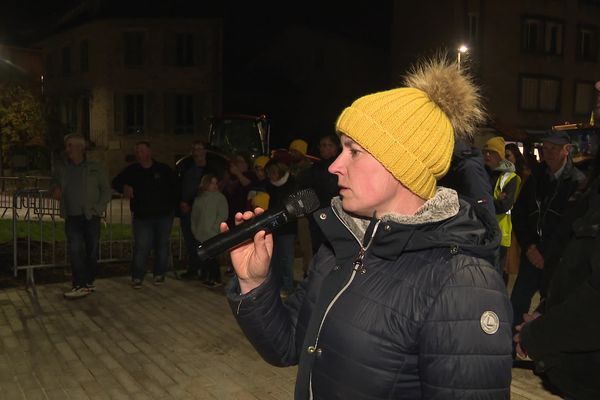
301 100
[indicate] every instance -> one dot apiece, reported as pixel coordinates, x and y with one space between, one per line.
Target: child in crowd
210 208
258 195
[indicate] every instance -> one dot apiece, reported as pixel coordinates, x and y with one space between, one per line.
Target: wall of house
497 56
109 83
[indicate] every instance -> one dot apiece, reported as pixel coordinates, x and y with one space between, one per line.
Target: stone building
537 61
118 81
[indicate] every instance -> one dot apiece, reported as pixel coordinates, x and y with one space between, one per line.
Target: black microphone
295 206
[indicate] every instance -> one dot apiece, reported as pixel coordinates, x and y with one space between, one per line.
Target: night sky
249 29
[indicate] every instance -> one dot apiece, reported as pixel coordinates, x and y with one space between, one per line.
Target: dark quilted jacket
401 316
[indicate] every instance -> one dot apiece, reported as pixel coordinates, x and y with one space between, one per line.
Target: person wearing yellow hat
404 301
298 150
505 182
257 195
300 163
299 147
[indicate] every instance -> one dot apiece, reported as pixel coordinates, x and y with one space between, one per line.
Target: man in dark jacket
537 217
403 303
563 340
151 188
322 181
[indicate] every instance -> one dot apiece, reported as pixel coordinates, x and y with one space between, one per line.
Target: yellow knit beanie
261 161
411 130
497 145
299 145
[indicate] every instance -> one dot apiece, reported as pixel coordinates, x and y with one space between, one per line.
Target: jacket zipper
357 267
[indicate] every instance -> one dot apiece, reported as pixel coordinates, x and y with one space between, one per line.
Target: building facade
119 81
537 61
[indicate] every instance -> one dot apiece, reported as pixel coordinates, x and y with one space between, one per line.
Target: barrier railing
38 231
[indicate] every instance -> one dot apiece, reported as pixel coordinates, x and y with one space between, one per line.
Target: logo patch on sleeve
489 322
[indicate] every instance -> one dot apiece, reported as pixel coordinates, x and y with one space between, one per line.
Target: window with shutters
129 111
68 113
184 114
184 49
84 62
553 34
542 35
587 43
532 34
134 49
66 61
134 114
539 93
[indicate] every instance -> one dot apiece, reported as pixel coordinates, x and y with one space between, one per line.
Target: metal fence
38 229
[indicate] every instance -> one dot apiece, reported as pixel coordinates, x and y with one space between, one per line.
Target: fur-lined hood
443 221
505 166
440 207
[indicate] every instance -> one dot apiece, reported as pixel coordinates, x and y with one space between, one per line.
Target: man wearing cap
537 216
403 301
505 182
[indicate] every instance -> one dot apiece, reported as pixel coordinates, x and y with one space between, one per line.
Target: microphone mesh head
302 202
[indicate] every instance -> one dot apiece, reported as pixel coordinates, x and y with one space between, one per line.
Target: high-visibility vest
504 220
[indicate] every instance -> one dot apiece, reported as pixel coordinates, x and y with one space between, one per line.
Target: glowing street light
461 50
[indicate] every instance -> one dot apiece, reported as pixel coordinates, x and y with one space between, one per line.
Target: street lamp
461 50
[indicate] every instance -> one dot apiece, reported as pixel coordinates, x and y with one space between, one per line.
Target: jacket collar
443 205
392 234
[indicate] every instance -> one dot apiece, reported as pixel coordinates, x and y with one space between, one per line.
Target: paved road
176 341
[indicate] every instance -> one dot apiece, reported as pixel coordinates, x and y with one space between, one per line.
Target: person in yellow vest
506 183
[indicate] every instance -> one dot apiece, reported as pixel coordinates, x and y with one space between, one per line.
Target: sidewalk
175 341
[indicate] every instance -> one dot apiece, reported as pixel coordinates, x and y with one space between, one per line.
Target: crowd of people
201 193
405 266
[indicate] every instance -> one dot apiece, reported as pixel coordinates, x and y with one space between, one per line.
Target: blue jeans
83 236
151 233
282 262
191 244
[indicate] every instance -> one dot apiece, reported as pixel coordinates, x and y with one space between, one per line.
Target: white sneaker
77 292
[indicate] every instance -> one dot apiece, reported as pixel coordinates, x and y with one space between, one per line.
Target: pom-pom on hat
410 130
497 145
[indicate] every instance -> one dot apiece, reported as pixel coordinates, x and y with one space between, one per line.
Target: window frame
185 52
540 78
541 46
594 30
134 53
84 55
